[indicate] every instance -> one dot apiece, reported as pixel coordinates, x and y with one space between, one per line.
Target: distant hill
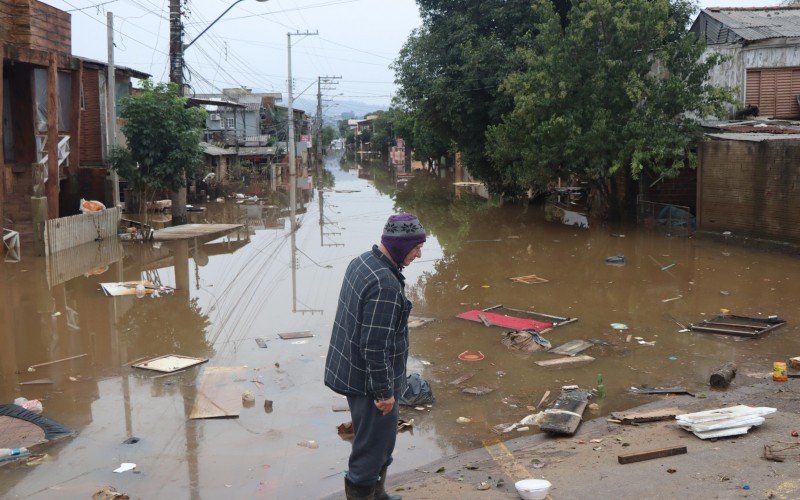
333 114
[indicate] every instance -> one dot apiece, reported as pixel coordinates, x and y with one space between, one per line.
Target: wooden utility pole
111 106
52 185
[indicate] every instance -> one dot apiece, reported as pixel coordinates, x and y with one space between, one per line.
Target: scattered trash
38 381
531 279
668 266
644 342
572 348
471 356
678 297
483 486
262 343
215 397
267 406
723 422
566 414
724 292
628 338
780 452
32 405
33 368
740 326
795 434
795 362
308 444
641 456
461 379
126 288
477 390
419 321
565 361
440 470
22 428
779 371
533 489
462 288
300 342
295 335
405 425
109 493
484 320
248 399
640 417
131 440
463 420
619 326
615 259
525 341
660 390
673 358
671 471
417 392
124 467
345 430
340 406
544 398
170 363
722 376
514 322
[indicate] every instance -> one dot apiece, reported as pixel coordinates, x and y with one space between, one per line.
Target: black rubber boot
358 492
380 490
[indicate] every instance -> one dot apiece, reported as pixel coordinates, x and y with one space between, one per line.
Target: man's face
413 254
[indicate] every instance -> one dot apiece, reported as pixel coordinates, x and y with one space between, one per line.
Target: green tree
450 70
612 94
328 134
163 140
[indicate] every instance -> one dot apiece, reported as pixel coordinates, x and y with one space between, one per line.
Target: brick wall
681 190
750 188
91 140
33 24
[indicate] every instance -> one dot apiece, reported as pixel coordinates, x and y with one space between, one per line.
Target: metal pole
319 133
111 115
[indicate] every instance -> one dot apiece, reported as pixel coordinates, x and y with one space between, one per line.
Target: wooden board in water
219 394
566 421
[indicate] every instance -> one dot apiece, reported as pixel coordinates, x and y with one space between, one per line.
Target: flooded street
235 289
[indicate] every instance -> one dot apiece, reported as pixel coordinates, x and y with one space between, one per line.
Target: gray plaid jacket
369 342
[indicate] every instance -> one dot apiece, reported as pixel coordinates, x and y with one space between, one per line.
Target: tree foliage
450 70
163 139
614 92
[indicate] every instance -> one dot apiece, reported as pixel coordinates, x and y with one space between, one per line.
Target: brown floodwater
234 289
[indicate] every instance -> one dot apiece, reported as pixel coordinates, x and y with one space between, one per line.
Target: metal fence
67 232
674 220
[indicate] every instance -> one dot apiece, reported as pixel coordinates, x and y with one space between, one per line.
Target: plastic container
13 452
533 489
779 372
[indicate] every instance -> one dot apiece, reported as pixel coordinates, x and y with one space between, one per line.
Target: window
229 123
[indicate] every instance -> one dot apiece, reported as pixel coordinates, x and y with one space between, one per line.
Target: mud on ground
578 468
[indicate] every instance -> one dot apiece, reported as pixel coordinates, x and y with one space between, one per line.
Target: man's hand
385 405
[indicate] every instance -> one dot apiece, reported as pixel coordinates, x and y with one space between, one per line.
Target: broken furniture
740 326
11 242
516 319
566 414
531 279
170 363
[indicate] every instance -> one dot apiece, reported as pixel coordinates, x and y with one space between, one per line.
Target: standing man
369 347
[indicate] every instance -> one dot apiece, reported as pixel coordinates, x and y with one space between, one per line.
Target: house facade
54 118
762 50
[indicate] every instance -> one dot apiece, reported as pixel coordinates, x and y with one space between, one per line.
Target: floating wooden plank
33 368
660 390
572 347
530 279
190 231
641 456
462 379
569 360
218 394
477 391
170 363
295 335
566 414
38 381
639 417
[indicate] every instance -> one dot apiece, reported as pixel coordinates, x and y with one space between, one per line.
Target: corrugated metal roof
755 23
212 150
755 137
256 151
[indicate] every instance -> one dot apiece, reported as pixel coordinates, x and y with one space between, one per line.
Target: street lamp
215 20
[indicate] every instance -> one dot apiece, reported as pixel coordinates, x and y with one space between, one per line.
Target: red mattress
506 321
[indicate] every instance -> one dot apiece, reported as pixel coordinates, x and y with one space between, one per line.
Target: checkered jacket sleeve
382 309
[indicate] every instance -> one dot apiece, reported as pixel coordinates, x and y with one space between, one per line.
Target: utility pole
178 197
327 80
111 106
292 145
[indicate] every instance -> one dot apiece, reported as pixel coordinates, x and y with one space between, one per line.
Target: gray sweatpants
374 440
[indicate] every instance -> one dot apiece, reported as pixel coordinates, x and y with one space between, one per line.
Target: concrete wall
750 188
733 72
681 190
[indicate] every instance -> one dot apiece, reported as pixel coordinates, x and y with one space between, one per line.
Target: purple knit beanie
401 234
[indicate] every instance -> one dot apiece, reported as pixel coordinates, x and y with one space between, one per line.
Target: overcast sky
358 40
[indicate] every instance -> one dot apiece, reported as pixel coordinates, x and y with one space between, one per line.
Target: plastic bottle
779 372
13 452
140 291
601 388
